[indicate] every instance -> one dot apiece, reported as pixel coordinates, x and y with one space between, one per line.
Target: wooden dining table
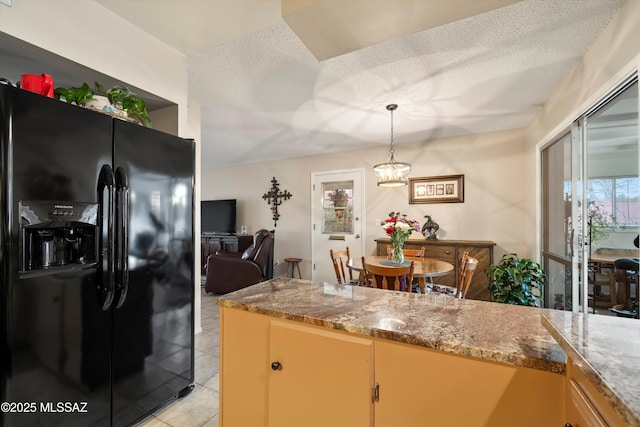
423 268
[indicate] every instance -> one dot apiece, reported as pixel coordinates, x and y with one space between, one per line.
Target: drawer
445 253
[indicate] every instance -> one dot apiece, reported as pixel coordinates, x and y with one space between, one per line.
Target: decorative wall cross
275 198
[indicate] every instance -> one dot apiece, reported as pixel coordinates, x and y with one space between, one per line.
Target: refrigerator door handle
106 244
122 196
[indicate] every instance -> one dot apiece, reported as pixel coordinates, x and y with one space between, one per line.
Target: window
617 199
337 204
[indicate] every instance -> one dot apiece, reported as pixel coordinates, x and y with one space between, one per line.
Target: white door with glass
337 219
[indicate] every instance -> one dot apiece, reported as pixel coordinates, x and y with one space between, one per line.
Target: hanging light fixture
392 173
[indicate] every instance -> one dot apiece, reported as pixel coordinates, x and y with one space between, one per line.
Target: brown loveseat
229 271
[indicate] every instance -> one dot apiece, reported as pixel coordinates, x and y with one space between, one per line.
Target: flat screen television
218 216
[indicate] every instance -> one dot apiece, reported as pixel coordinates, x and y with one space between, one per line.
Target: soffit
330 28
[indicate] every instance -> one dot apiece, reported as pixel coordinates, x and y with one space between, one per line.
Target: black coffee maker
57 235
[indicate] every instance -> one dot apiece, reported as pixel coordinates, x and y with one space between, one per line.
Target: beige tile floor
200 407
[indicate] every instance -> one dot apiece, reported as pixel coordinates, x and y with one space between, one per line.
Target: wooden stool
294 263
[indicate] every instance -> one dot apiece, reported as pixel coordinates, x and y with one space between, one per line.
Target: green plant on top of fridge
120 97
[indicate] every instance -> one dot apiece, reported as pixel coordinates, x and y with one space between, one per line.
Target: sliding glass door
558 229
590 173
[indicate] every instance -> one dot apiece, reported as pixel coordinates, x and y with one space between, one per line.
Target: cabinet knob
276 366
568 425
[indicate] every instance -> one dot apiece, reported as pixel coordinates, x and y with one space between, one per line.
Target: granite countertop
607 351
484 330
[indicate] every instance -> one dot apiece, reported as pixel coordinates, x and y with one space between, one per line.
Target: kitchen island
295 352
603 367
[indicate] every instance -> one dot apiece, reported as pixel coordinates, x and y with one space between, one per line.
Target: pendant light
392 173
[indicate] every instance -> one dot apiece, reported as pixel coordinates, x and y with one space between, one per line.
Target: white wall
493 209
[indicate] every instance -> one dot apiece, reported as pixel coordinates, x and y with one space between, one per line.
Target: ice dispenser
57 235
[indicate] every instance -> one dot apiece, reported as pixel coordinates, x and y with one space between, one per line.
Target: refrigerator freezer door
54 343
153 327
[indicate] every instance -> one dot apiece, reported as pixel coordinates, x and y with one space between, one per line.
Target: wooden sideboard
451 252
210 243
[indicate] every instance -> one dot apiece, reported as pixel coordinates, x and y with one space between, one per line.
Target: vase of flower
398 227
397 254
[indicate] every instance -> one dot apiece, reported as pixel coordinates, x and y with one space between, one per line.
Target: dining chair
599 276
465 274
466 269
339 260
391 278
413 253
410 253
626 270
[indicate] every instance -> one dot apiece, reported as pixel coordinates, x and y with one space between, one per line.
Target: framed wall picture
437 189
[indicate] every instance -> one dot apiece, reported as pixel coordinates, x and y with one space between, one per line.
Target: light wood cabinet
318 377
327 377
585 406
323 377
244 368
451 252
419 384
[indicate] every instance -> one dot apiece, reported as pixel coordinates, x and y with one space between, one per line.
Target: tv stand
210 243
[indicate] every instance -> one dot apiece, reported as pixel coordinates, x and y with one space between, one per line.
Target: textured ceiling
265 96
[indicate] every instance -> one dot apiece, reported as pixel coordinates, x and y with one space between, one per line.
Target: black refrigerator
96 260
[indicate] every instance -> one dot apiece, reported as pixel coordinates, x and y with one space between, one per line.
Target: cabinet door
214 244
229 244
324 378
422 387
580 412
244 367
586 406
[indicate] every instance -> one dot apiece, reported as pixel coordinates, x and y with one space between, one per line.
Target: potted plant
339 198
516 281
121 97
74 95
118 101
